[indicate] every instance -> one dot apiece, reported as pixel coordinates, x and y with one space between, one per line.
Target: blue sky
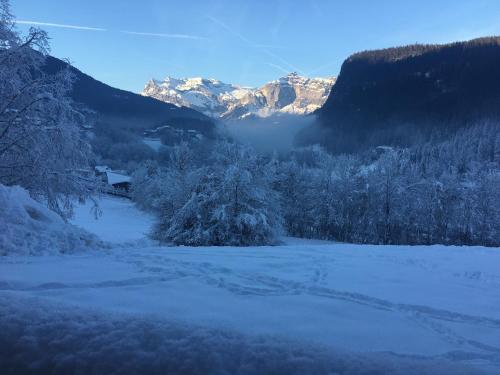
127 42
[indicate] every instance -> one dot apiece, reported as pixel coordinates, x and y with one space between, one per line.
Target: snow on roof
116 178
101 168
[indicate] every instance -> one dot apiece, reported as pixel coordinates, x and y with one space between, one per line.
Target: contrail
272 46
321 67
254 45
283 61
231 31
164 35
88 28
64 26
276 66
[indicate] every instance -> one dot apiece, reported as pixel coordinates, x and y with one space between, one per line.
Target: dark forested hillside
129 111
399 96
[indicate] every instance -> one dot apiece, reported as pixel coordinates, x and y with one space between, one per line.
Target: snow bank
42 338
29 228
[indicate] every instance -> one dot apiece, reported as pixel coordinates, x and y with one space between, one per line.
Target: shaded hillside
399 96
129 111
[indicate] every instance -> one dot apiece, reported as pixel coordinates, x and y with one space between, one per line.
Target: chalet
116 182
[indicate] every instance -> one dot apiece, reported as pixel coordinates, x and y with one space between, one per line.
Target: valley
318 195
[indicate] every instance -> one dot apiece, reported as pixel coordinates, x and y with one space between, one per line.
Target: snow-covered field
118 222
304 307
154 143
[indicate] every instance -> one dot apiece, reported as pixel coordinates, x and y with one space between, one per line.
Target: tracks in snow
248 283
161 267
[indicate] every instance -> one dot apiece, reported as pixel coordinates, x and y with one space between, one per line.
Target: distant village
117 182
171 136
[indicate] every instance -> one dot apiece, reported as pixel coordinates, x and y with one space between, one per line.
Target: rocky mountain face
404 95
292 94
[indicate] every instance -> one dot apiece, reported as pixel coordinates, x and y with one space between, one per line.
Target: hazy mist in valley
274 133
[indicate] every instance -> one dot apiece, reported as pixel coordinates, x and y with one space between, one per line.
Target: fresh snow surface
28 227
154 143
120 221
304 307
116 178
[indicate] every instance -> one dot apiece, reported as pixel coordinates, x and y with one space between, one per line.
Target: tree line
443 192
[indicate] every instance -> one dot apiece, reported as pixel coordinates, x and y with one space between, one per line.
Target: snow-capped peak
292 94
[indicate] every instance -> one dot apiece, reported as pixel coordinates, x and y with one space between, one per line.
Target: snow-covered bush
28 227
156 188
230 202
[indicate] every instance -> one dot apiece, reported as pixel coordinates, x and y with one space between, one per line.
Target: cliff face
400 95
291 94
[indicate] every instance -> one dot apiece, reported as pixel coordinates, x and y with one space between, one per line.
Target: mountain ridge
291 94
127 110
402 95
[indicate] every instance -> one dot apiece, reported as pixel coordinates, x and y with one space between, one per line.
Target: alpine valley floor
303 307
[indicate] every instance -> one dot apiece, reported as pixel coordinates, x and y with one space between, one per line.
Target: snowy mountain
115 108
292 94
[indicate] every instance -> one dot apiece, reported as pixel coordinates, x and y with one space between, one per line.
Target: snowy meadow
302 307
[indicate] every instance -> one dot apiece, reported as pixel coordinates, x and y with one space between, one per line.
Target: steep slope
292 94
126 110
398 96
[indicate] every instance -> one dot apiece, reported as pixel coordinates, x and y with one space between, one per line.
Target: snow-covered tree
146 183
295 186
442 191
231 203
42 146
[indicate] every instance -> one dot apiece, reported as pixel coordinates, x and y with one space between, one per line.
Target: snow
305 306
102 168
28 227
154 143
120 221
67 340
116 178
221 100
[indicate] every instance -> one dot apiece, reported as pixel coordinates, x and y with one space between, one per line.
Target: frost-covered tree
42 146
231 203
437 192
443 191
146 183
175 185
295 186
387 188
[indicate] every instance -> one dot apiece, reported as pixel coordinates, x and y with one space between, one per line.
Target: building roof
115 178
